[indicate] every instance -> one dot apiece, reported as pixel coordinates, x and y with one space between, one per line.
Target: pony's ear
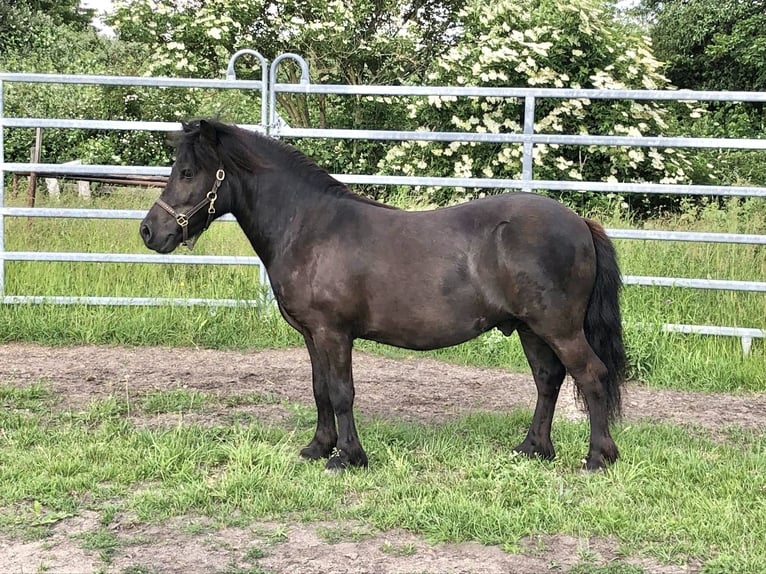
208 132
187 126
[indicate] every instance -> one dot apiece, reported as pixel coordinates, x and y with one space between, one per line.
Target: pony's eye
187 173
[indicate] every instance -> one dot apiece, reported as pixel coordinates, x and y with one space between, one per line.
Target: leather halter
182 219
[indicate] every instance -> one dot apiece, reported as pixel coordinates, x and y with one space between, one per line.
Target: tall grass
681 361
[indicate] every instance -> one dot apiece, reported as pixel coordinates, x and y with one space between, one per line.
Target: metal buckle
182 220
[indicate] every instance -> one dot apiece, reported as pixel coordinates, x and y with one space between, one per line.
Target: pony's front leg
334 357
326 435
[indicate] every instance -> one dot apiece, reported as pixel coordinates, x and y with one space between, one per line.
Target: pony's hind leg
326 435
549 373
590 375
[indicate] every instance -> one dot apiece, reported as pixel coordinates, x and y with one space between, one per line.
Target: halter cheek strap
182 219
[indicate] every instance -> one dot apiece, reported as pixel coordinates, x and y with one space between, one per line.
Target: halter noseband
182 219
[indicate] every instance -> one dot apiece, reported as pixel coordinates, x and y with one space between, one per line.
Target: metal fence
272 125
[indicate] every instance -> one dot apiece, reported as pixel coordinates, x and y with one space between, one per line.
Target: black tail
603 323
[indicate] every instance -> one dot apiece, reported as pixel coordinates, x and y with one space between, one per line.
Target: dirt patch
191 546
60 552
413 389
416 389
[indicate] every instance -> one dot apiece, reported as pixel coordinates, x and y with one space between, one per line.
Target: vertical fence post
2 194
232 75
527 146
34 157
304 81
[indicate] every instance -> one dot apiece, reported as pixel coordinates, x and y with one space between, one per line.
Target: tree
717 45
711 44
350 41
34 42
345 42
544 43
17 17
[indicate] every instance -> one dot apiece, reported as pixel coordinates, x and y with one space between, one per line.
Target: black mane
254 152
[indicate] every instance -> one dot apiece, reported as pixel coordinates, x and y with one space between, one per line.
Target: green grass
102 540
336 534
403 549
676 495
585 568
174 401
678 361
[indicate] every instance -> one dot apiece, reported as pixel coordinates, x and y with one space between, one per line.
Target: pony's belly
420 343
420 334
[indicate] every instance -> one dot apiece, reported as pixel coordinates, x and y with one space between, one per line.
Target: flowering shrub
576 44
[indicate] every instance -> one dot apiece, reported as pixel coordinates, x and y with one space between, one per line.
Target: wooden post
35 158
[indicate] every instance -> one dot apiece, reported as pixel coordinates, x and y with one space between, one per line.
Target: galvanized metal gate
272 125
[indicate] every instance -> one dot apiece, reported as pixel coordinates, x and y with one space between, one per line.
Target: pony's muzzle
155 235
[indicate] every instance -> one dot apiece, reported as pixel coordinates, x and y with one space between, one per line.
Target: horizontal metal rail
711 330
382 90
553 185
58 256
130 81
745 335
718 284
538 93
127 301
396 135
109 125
78 213
64 169
697 236
424 181
520 138
637 234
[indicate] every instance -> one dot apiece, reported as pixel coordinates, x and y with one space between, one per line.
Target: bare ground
414 389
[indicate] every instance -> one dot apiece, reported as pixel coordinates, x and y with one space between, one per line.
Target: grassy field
677 361
677 496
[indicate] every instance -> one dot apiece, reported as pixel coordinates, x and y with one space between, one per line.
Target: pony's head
197 191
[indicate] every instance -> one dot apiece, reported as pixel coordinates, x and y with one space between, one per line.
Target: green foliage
359 42
711 44
717 45
38 47
20 19
543 44
190 39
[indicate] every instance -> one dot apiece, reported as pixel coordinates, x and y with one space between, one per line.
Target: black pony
344 267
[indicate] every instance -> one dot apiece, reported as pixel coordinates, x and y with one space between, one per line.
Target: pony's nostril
146 233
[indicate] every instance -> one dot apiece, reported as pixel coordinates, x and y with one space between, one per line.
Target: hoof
315 452
592 465
531 450
308 454
599 459
340 461
336 463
